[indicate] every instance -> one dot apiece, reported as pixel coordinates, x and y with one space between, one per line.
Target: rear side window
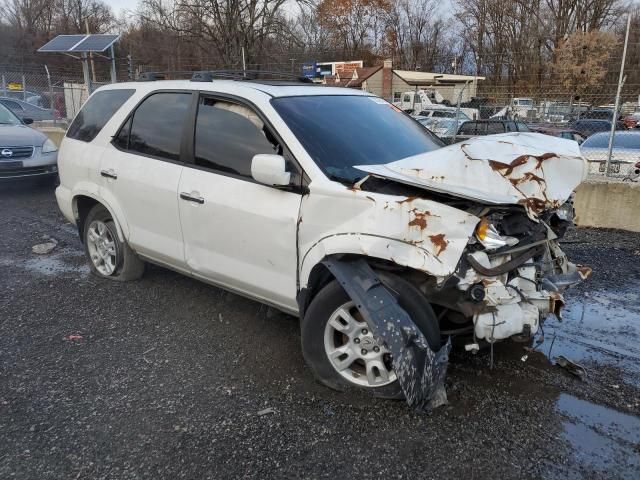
157 126
96 113
494 127
228 135
468 128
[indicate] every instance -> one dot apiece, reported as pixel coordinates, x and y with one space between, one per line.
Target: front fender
417 233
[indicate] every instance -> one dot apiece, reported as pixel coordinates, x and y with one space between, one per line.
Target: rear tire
108 256
318 346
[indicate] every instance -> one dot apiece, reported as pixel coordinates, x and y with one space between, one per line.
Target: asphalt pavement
170 378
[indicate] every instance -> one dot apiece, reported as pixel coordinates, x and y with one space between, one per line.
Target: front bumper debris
420 371
519 290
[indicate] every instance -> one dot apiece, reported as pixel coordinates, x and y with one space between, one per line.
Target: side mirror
27 121
270 170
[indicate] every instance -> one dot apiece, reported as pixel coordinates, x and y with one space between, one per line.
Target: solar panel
62 43
95 43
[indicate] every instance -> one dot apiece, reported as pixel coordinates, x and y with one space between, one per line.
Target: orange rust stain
439 242
543 157
527 177
508 167
406 200
419 221
533 204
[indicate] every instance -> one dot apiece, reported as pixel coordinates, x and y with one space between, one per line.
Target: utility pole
617 104
93 65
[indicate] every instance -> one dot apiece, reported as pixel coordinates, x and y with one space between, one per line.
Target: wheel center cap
367 342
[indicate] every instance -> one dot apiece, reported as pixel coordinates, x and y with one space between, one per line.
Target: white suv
330 204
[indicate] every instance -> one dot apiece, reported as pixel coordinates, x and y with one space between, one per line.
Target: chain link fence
49 99
580 112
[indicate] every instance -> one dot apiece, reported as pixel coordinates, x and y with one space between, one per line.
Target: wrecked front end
511 272
510 278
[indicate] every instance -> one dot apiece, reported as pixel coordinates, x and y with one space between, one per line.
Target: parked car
598 114
449 112
25 109
586 127
24 151
554 131
624 155
475 128
235 183
632 121
33 98
444 128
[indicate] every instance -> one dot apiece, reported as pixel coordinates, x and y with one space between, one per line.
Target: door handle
109 174
191 198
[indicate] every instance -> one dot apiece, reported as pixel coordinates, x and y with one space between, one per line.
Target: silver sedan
24 151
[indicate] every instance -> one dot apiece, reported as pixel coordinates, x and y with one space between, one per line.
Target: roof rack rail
210 75
249 75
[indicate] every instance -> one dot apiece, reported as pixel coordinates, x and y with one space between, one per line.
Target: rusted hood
534 170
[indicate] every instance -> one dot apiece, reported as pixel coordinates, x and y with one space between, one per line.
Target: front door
237 232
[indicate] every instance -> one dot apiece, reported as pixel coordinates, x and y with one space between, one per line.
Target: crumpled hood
531 169
20 136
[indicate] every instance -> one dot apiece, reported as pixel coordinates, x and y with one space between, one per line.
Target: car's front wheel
339 346
108 256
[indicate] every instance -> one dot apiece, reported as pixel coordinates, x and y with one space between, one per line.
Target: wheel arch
320 275
83 202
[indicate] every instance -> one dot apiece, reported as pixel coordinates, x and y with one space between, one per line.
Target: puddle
603 327
64 261
603 439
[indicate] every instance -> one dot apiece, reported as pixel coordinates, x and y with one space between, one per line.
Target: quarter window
228 135
96 113
157 126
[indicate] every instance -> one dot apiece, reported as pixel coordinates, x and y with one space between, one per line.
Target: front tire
339 347
108 256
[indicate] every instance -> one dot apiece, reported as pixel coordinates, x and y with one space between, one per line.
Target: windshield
340 131
7 117
631 140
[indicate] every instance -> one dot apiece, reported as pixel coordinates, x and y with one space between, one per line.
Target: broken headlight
565 212
488 235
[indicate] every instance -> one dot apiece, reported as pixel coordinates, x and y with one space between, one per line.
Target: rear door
141 171
237 232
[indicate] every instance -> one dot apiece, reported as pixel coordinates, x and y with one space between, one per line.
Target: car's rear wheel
108 256
338 344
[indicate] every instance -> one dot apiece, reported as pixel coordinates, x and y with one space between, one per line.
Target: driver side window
228 135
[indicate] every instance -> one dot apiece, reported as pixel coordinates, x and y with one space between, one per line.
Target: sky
120 5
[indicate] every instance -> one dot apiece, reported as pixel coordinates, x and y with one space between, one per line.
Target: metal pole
114 78
24 89
4 87
617 104
455 132
51 102
244 64
85 72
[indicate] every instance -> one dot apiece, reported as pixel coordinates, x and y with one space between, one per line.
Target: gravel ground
170 378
